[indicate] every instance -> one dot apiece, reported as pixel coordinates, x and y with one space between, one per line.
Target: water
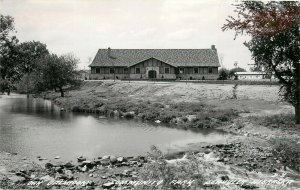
36 127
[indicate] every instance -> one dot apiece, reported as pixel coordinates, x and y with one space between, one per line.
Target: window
97 70
167 70
111 70
209 70
196 70
137 70
181 70
126 70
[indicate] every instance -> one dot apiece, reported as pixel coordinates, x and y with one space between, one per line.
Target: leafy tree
223 74
27 55
56 72
232 72
8 43
274 28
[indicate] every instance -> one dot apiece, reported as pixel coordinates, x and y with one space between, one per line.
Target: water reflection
37 127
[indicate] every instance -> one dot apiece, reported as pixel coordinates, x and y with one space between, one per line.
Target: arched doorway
152 74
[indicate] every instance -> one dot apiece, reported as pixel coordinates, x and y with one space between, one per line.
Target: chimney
213 47
109 52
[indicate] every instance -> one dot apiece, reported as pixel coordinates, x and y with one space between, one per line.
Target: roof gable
174 57
147 60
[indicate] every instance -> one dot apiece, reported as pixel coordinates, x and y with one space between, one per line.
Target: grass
275 121
203 116
287 150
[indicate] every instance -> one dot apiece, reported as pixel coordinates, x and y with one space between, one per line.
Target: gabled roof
175 57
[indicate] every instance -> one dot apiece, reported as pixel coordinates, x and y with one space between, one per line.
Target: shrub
287 150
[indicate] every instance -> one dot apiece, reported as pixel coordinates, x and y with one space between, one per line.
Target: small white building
254 76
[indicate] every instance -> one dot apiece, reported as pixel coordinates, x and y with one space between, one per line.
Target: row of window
196 70
137 70
111 71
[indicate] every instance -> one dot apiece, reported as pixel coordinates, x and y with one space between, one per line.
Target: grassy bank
106 100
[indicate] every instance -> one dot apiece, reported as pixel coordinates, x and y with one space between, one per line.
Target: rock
207 151
69 165
224 177
69 174
81 159
16 179
105 162
108 185
48 165
135 158
59 169
248 186
84 168
23 174
120 159
57 157
91 175
130 114
86 162
220 160
47 178
105 157
226 159
157 121
113 159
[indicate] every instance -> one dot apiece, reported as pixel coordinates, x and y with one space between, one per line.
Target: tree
8 43
223 74
274 28
232 72
26 57
57 72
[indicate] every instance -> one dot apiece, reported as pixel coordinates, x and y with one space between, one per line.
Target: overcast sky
82 27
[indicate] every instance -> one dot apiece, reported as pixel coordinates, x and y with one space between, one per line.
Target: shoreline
250 118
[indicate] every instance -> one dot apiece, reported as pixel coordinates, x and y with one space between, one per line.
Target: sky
81 27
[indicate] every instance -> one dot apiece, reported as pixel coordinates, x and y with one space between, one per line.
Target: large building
191 64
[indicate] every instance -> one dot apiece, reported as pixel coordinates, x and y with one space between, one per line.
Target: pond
36 127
